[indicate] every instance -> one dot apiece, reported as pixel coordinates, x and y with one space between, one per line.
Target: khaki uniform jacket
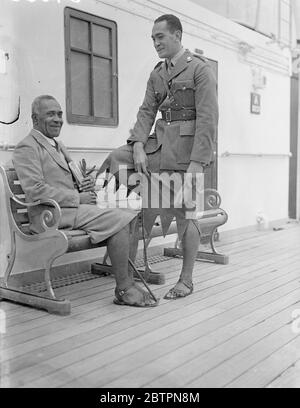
191 85
44 174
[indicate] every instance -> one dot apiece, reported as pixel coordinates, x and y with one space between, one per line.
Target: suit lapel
53 153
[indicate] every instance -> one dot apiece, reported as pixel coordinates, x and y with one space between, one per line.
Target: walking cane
155 278
142 279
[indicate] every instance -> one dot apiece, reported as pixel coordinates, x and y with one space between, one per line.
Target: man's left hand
88 184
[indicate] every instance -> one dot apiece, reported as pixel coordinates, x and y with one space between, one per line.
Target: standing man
183 89
42 167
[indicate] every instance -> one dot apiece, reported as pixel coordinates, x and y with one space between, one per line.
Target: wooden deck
236 330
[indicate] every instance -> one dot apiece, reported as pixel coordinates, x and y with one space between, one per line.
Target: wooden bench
54 242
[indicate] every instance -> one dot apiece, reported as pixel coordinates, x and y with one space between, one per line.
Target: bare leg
118 251
127 291
190 245
134 238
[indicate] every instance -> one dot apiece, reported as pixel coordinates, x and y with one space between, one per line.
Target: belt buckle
168 116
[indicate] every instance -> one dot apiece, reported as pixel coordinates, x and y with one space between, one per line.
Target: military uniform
187 100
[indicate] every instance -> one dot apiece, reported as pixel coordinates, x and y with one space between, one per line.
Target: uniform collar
182 63
176 57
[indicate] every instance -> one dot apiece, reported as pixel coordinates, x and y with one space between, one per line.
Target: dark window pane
101 40
79 34
102 88
80 80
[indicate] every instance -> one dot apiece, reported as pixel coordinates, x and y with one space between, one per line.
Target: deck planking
234 331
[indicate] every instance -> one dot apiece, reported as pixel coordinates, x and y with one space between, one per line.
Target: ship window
91 69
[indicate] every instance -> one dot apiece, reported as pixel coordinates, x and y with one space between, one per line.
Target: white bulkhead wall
33 35
271 17
296 8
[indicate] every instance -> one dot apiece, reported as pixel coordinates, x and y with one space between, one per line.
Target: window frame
91 19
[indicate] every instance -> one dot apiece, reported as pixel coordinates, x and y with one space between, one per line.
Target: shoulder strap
200 57
158 64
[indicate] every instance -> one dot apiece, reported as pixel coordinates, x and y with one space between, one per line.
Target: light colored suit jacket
44 174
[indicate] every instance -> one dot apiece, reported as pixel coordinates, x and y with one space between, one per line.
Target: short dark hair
173 22
35 107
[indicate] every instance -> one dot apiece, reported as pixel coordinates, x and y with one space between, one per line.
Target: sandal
124 298
175 293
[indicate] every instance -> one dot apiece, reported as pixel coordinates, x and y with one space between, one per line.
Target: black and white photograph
149 197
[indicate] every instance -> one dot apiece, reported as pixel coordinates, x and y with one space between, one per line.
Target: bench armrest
212 198
50 211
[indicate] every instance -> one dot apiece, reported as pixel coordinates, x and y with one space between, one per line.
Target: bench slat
14 182
11 175
21 218
17 189
25 228
15 207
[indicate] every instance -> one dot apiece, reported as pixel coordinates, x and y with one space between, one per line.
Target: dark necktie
170 66
56 145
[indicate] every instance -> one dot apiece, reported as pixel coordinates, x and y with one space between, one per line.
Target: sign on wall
255 103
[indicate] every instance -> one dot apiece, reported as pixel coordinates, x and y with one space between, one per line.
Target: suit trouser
101 223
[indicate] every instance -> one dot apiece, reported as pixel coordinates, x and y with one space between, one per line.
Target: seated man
42 167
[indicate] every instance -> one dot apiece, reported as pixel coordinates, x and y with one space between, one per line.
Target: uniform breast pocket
184 93
185 142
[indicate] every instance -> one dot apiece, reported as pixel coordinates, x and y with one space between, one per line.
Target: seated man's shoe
180 290
134 296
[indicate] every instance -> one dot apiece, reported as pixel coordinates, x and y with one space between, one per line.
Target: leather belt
173 115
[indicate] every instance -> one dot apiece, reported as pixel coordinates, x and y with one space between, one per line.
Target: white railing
245 154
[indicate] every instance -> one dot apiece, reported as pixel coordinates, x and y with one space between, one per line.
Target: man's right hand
87 184
89 197
140 158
